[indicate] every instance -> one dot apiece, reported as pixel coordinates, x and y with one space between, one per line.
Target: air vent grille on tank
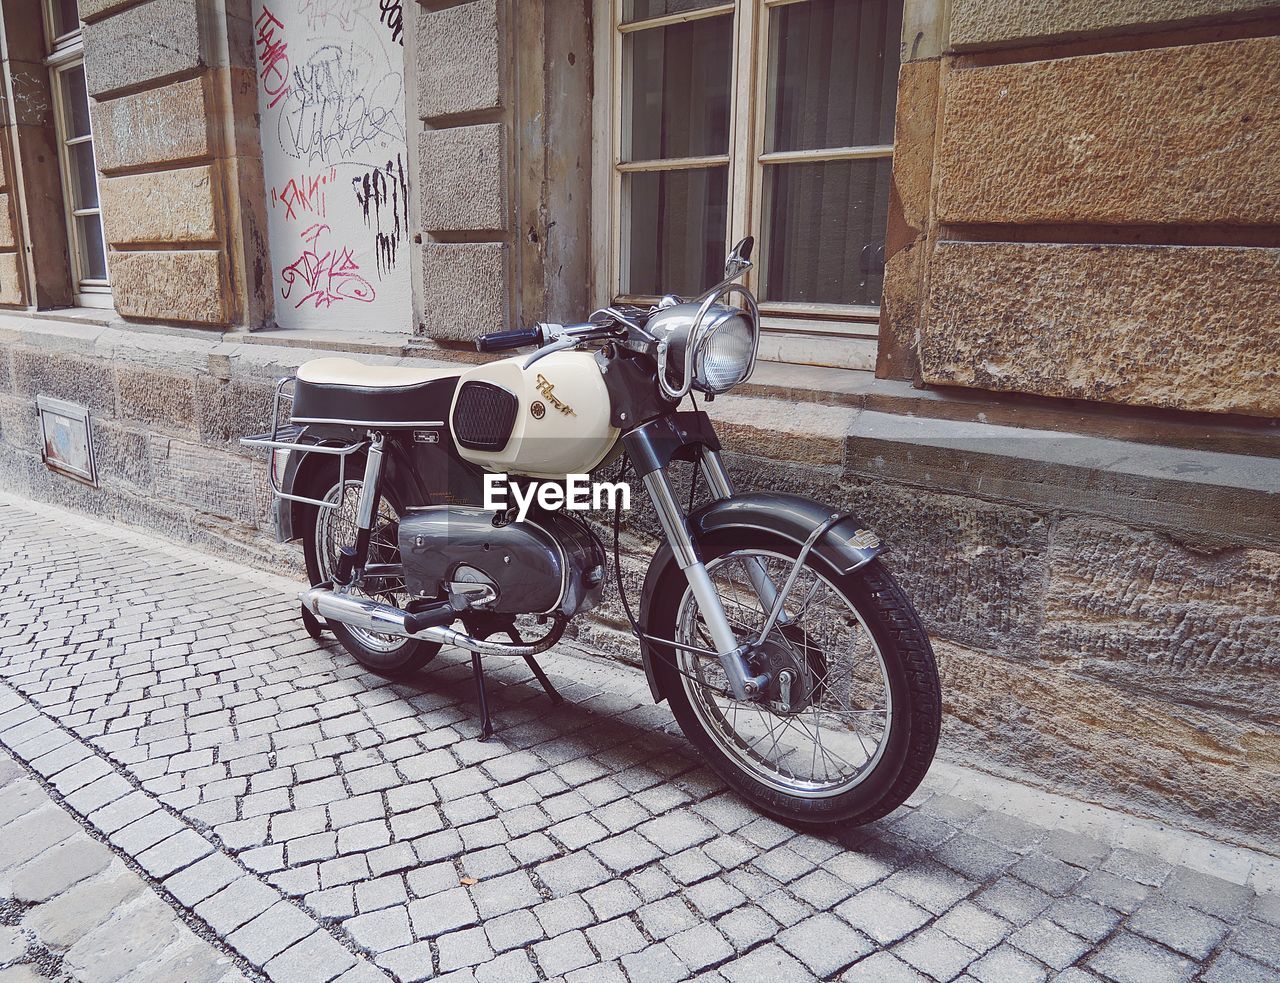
484 416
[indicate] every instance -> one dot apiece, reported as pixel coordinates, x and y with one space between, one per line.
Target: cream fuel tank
562 411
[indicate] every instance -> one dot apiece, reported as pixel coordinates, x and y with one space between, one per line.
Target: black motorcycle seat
342 390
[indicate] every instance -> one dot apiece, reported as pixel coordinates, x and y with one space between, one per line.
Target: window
75 151
772 118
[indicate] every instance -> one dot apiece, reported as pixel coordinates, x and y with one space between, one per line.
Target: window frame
66 54
802 331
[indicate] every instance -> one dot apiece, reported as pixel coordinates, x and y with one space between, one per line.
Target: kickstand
556 698
486 725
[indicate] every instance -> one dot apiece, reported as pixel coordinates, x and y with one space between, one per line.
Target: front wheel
849 723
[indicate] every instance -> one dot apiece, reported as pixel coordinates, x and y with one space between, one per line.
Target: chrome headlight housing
709 347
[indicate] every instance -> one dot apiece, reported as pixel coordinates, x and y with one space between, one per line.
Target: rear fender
844 548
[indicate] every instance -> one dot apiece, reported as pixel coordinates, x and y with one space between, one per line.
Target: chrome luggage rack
286 439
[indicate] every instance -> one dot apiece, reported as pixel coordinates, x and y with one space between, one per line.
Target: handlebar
501 341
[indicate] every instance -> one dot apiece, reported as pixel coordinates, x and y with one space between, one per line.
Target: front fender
844 548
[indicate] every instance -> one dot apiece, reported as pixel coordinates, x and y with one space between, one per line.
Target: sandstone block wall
1085 203
181 184
501 93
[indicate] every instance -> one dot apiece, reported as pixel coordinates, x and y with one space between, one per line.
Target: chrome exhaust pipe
371 615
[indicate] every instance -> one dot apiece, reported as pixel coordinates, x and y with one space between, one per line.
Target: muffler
371 615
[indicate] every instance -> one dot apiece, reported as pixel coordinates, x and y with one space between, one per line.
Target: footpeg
435 616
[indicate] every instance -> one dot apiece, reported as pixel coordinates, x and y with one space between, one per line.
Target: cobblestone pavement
71 909
315 822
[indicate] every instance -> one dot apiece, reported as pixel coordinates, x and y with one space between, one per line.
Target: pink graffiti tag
330 275
304 193
273 56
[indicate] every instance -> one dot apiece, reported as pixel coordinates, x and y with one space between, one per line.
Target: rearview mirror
740 258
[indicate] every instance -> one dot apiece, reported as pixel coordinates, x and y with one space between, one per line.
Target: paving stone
616 938
58 868
1258 941
1183 929
562 915
271 932
975 858
442 913
1134 866
513 930
882 967
825 944
380 931
662 919
1049 874
316 959
1005 964
970 925
137 933
935 954
1128 958
1013 900
233 906
626 852
768 962
564 953
571 874
656 964
381 892
511 967
169 856
503 894
62 921
1112 891
932 886
746 927
1231 967
410 964
1050 943
1212 895
882 915
458 950
1085 918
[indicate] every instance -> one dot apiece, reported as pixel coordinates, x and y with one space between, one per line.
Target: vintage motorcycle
791 659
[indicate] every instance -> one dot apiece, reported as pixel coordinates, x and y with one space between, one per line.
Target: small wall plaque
67 438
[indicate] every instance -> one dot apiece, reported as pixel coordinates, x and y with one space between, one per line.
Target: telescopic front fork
732 654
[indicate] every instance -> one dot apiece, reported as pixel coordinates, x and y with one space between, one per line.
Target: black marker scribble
341 102
392 15
383 193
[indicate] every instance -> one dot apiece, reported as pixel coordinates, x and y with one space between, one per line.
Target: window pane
66 17
84 179
678 95
833 74
93 252
677 230
824 231
75 103
634 10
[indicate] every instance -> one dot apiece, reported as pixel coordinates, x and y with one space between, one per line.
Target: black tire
406 657
911 736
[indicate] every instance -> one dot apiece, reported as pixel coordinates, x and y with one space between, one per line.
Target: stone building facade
1019 278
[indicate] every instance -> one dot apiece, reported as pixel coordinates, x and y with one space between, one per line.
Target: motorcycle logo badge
538 409
548 390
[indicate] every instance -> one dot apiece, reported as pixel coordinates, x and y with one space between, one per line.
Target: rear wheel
326 531
849 723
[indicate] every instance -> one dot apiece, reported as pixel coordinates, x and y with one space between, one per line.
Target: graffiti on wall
331 98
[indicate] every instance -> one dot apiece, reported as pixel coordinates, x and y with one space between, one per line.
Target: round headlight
722 353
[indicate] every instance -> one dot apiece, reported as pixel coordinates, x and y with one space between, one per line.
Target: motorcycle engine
545 565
